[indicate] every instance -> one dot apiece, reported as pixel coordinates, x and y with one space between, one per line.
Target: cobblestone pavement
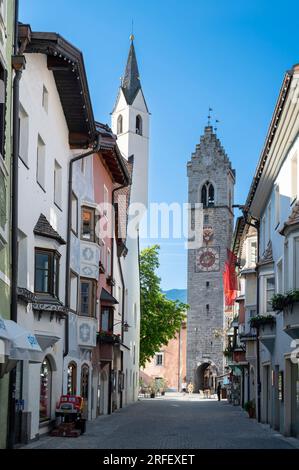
174 421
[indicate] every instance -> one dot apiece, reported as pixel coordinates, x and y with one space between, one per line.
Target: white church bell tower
130 122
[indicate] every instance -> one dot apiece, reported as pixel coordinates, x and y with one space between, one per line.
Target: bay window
88 224
47 272
87 297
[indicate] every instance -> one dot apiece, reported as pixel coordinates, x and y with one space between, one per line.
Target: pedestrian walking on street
219 391
190 388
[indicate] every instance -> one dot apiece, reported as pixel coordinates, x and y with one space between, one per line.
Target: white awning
24 345
5 340
3 330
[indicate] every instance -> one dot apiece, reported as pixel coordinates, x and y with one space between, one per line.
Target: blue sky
192 54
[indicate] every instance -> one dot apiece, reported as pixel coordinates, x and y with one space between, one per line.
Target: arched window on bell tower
138 125
120 124
208 194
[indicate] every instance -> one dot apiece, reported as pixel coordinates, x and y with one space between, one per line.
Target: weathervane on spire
209 117
132 37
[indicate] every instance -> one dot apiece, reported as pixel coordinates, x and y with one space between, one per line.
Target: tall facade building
7 20
271 332
130 122
211 182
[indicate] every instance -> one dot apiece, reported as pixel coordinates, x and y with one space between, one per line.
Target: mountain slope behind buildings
176 294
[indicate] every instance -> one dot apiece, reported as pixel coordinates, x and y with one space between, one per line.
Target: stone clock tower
211 182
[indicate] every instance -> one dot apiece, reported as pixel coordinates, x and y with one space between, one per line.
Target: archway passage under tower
205 377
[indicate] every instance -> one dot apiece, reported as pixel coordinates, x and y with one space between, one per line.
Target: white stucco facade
36 198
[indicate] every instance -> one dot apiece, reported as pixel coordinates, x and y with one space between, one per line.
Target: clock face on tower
207 259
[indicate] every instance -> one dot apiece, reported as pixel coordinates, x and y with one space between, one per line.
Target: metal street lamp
125 325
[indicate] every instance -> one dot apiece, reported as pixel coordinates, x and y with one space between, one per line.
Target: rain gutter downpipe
95 149
18 64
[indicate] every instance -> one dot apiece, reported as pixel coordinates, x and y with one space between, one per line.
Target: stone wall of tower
208 163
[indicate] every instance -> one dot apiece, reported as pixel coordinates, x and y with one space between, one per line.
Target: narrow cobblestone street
173 421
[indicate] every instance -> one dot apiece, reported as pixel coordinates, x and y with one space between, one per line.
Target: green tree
161 318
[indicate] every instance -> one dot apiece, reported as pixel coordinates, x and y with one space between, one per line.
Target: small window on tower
206 219
120 124
207 284
138 125
45 99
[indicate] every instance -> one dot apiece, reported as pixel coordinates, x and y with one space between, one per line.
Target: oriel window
87 297
47 272
88 224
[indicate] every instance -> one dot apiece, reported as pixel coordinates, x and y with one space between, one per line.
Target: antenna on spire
209 117
132 37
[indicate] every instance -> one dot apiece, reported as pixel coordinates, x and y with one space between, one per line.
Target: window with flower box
106 321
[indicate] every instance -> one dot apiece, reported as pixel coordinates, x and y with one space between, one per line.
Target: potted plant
289 305
153 389
261 320
282 301
163 386
249 406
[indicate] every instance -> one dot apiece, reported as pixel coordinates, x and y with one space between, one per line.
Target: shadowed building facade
211 182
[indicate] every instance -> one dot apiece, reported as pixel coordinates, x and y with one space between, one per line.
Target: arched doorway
72 379
85 387
45 390
206 377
